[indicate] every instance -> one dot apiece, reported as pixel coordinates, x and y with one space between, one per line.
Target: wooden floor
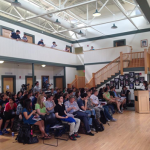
130 132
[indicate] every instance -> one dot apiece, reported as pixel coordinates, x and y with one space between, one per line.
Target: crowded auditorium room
75 74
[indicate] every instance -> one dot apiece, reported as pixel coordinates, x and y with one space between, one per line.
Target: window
120 43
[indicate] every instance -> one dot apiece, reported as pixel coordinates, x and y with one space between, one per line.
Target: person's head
40 101
46 81
11 101
3 96
54 43
66 96
70 92
71 99
25 92
30 93
14 96
58 90
112 88
25 35
28 104
19 94
77 93
90 90
41 40
84 96
43 93
37 83
124 87
95 92
74 89
36 94
92 47
145 83
17 32
106 89
60 99
52 90
82 90
89 93
49 97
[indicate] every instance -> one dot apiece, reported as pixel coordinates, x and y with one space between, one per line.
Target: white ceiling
126 14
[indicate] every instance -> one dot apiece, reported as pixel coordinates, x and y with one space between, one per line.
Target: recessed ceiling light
1 61
43 65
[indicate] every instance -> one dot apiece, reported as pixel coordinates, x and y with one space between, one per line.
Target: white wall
38 36
133 40
70 74
23 70
131 90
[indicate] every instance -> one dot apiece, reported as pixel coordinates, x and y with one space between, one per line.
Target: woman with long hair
78 95
28 117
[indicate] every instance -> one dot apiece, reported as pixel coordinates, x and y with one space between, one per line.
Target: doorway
8 83
59 82
28 80
6 32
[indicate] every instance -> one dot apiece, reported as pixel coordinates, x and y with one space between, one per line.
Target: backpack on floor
24 135
103 118
98 126
16 125
82 128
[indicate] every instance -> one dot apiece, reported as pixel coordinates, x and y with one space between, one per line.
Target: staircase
113 69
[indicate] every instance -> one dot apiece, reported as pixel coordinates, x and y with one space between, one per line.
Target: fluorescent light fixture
1 61
114 26
96 14
43 65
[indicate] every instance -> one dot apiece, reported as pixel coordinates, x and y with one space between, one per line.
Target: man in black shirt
15 35
41 43
61 114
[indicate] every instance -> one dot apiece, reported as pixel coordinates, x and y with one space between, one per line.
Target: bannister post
93 75
121 63
76 77
145 61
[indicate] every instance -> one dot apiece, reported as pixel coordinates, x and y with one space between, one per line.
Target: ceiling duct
39 11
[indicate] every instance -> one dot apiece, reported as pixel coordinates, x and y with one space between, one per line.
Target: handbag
50 118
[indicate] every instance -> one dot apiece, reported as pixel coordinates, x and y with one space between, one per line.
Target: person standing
24 38
41 43
15 35
36 87
54 45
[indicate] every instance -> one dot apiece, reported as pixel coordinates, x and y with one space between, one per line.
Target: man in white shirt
54 45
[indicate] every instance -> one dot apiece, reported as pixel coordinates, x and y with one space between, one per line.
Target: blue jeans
90 112
106 111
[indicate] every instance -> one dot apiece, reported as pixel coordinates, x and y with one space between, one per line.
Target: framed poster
131 74
144 43
137 82
131 80
126 82
121 77
131 85
116 80
126 76
121 83
141 79
44 79
112 83
136 76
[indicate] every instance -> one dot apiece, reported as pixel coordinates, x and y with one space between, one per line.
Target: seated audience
15 35
9 114
61 114
70 92
73 109
100 94
28 115
14 98
36 87
82 103
34 100
66 97
74 91
122 100
41 43
110 100
125 93
99 107
24 38
54 45
19 96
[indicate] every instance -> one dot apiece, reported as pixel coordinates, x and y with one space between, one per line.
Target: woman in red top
9 114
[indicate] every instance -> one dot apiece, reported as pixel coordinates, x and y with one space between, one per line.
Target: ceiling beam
59 10
117 3
145 8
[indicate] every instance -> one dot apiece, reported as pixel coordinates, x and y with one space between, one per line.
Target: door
30 82
30 39
6 33
8 84
59 82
